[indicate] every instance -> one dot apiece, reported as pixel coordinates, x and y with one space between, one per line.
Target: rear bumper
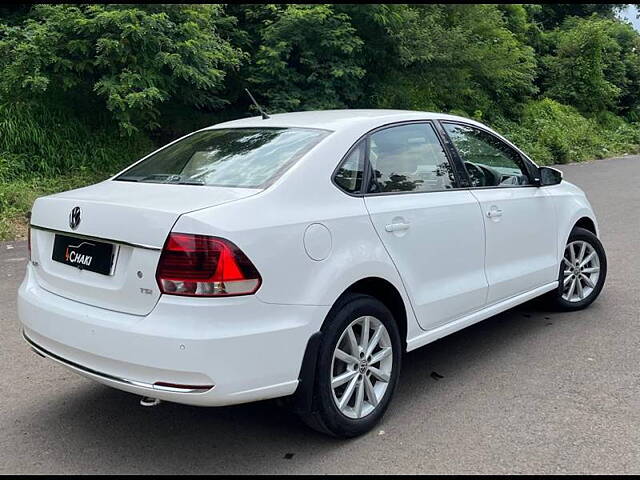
111 379
246 349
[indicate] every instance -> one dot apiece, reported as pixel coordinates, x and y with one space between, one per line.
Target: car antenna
262 112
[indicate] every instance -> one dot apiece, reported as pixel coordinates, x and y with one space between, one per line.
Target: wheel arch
378 288
587 223
582 218
388 294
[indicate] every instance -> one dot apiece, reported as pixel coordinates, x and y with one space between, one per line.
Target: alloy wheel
361 367
581 271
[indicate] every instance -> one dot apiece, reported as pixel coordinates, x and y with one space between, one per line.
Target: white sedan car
300 256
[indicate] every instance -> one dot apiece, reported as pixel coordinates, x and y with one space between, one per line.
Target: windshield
234 157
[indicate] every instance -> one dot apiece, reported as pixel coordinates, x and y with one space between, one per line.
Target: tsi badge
74 218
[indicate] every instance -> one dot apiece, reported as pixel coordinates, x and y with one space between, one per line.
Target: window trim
460 177
530 167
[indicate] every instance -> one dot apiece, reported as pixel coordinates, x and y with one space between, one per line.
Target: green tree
452 57
551 15
160 71
308 58
577 70
130 59
622 67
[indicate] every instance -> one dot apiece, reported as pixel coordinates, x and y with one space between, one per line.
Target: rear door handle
494 212
396 227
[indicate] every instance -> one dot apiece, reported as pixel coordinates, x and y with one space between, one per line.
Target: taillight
29 240
199 265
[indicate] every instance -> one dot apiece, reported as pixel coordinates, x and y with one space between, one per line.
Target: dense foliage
86 89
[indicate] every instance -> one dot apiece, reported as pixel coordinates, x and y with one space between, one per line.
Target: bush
550 132
561 81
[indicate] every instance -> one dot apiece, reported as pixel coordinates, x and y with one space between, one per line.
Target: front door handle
396 227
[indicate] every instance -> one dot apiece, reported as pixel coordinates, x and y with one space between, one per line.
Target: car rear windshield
233 157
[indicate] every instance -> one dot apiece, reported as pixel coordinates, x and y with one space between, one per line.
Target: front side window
489 161
409 158
233 157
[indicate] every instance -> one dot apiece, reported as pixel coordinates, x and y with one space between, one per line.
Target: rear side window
409 158
350 172
238 157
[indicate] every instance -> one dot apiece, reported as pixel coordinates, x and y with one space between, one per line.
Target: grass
37 140
17 197
47 149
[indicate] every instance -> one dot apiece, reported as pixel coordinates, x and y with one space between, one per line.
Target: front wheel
582 271
357 369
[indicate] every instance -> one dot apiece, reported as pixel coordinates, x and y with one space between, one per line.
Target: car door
519 218
432 229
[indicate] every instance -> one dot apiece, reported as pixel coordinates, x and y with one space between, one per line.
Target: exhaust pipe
149 402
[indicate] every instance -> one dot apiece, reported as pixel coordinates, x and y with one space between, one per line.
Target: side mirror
549 176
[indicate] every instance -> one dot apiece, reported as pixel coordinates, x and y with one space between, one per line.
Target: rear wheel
582 271
357 369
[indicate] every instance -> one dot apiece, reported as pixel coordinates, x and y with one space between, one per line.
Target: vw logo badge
74 218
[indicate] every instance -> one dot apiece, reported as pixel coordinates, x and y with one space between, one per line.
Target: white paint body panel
138 213
520 241
130 214
451 268
248 349
441 253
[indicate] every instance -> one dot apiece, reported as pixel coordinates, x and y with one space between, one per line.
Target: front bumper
246 349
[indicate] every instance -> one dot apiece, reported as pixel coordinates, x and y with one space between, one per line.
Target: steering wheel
476 174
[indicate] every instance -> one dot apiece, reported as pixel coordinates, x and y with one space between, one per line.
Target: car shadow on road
107 425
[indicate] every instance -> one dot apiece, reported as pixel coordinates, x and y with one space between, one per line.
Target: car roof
336 120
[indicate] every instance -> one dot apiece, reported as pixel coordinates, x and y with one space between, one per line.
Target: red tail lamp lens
199 265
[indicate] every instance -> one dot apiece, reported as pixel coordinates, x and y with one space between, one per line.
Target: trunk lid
135 218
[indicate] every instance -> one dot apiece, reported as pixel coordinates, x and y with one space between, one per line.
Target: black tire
554 297
324 415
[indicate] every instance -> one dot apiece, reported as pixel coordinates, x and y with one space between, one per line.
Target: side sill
451 327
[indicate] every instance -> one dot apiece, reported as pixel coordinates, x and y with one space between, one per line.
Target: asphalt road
527 391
